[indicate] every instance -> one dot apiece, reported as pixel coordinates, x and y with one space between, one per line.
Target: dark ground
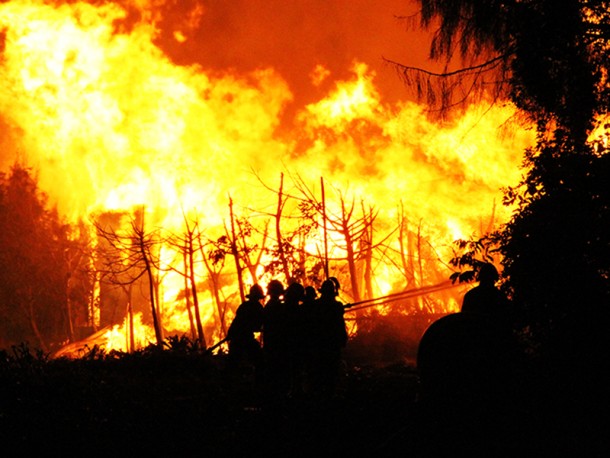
170 405
166 404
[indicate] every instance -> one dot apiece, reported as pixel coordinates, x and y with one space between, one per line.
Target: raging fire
113 126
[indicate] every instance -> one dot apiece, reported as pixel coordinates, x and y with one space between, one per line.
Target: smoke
295 38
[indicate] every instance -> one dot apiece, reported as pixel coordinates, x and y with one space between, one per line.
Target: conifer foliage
551 60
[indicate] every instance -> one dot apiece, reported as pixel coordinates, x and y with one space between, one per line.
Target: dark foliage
550 61
556 246
176 400
34 270
180 400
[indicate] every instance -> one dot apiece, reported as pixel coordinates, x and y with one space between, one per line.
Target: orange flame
111 123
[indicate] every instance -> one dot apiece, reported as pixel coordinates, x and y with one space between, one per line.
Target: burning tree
321 236
188 245
128 257
247 253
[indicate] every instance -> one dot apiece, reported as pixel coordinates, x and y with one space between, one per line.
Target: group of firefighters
293 338
301 336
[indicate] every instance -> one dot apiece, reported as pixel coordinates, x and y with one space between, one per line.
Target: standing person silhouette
485 298
275 339
307 340
310 295
470 367
243 346
328 336
295 334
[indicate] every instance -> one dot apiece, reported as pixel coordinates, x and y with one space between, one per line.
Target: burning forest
171 179
166 165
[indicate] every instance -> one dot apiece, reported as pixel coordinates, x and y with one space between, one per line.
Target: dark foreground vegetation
179 401
176 401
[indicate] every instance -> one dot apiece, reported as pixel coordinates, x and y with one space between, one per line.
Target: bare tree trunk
91 307
220 309
145 253
213 277
251 266
34 324
151 291
192 279
407 255
132 337
73 262
187 293
278 231
325 229
349 246
302 259
425 304
69 311
367 241
402 233
235 252
413 269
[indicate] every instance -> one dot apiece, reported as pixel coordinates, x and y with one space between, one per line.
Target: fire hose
216 345
399 296
351 307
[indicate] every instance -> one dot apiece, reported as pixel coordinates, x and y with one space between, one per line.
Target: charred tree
214 256
281 253
232 235
130 255
249 252
295 225
187 245
355 231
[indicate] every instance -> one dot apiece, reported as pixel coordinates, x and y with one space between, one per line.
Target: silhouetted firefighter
469 366
275 339
486 298
327 336
295 334
243 346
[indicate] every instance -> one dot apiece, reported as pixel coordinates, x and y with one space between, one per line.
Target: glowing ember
112 124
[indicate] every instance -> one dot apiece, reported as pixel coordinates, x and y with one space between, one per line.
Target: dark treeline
38 266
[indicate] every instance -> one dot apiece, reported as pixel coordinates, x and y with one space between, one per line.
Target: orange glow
110 122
